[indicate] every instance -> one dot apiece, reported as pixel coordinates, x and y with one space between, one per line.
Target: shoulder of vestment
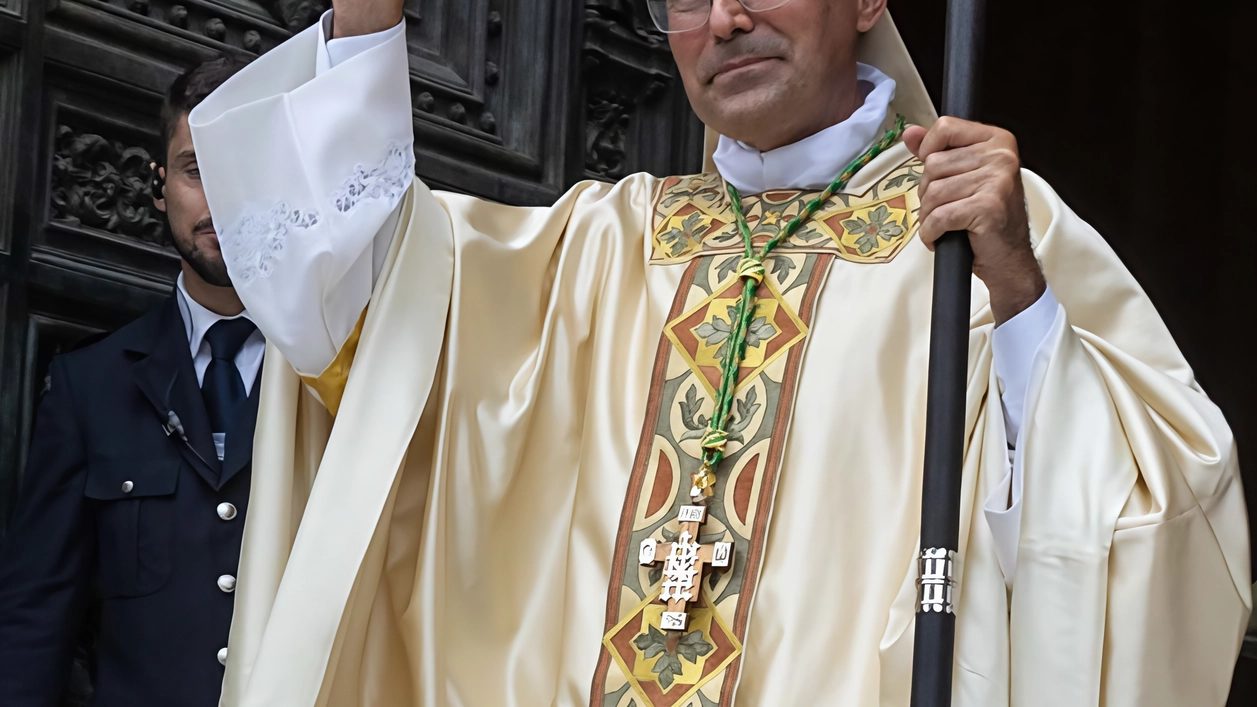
692 217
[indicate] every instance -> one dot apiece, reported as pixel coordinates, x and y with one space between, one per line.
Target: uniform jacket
117 506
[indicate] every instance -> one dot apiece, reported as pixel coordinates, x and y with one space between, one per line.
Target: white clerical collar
197 319
813 162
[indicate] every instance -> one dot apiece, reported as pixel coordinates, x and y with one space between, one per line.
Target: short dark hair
190 89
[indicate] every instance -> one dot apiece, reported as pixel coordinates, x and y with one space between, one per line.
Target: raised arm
354 18
305 157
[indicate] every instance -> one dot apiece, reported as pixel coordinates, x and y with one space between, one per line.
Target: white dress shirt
196 321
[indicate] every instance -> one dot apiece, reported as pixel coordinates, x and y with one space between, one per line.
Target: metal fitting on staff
936 580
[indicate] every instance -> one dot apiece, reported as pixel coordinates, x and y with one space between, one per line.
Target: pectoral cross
683 562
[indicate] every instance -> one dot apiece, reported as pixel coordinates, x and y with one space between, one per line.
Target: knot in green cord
752 269
714 439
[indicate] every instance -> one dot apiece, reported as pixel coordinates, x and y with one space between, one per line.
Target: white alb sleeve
1014 345
1021 348
305 156
337 51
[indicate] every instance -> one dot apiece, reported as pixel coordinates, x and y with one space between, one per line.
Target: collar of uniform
813 162
197 319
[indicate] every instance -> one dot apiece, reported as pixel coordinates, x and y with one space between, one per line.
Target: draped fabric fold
447 539
461 557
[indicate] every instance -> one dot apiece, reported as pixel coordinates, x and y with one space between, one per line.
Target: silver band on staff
935 580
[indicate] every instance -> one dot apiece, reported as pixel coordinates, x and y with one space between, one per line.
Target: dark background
1130 108
1136 112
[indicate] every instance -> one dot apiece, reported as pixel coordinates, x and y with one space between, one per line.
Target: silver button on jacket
227 583
222 656
226 511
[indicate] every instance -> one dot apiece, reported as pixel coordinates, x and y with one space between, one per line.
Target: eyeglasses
672 16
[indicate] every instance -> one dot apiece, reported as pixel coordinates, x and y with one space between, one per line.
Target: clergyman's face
188 211
774 77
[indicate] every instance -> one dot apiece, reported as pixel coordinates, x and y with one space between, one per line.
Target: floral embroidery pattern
696 426
912 176
717 331
697 188
259 241
386 182
876 227
694 421
655 643
633 667
688 233
693 217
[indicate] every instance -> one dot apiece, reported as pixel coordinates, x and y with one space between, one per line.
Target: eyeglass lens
672 16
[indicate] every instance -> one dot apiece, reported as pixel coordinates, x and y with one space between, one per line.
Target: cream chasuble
513 418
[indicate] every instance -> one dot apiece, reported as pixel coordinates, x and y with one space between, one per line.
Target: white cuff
1002 507
333 52
304 191
1015 343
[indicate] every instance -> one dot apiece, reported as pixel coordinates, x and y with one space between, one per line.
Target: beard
210 266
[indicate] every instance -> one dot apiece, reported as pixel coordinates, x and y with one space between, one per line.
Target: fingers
945 191
970 181
951 216
950 163
949 133
912 137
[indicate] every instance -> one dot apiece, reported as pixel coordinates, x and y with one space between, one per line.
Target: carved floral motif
103 184
628 16
623 56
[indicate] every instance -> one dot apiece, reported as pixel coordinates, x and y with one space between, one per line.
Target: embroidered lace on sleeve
258 241
387 181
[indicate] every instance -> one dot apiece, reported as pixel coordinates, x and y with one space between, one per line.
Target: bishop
473 415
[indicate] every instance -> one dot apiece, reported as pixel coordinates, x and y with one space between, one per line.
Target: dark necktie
223 388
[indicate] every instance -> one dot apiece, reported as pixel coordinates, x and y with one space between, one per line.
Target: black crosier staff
945 404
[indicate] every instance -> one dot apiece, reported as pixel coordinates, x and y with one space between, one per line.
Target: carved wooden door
514 100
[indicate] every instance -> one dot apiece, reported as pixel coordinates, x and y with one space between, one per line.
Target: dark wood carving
296 15
509 104
186 30
99 211
626 64
103 184
513 100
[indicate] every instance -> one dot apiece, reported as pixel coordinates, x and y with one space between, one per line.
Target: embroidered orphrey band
642 663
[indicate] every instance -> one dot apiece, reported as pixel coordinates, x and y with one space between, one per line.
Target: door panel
514 100
509 96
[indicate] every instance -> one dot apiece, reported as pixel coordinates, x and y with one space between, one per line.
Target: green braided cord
751 274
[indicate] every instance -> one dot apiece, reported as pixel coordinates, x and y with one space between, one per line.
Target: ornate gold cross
683 562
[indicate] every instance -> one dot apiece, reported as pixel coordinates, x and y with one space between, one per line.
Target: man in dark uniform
138 477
